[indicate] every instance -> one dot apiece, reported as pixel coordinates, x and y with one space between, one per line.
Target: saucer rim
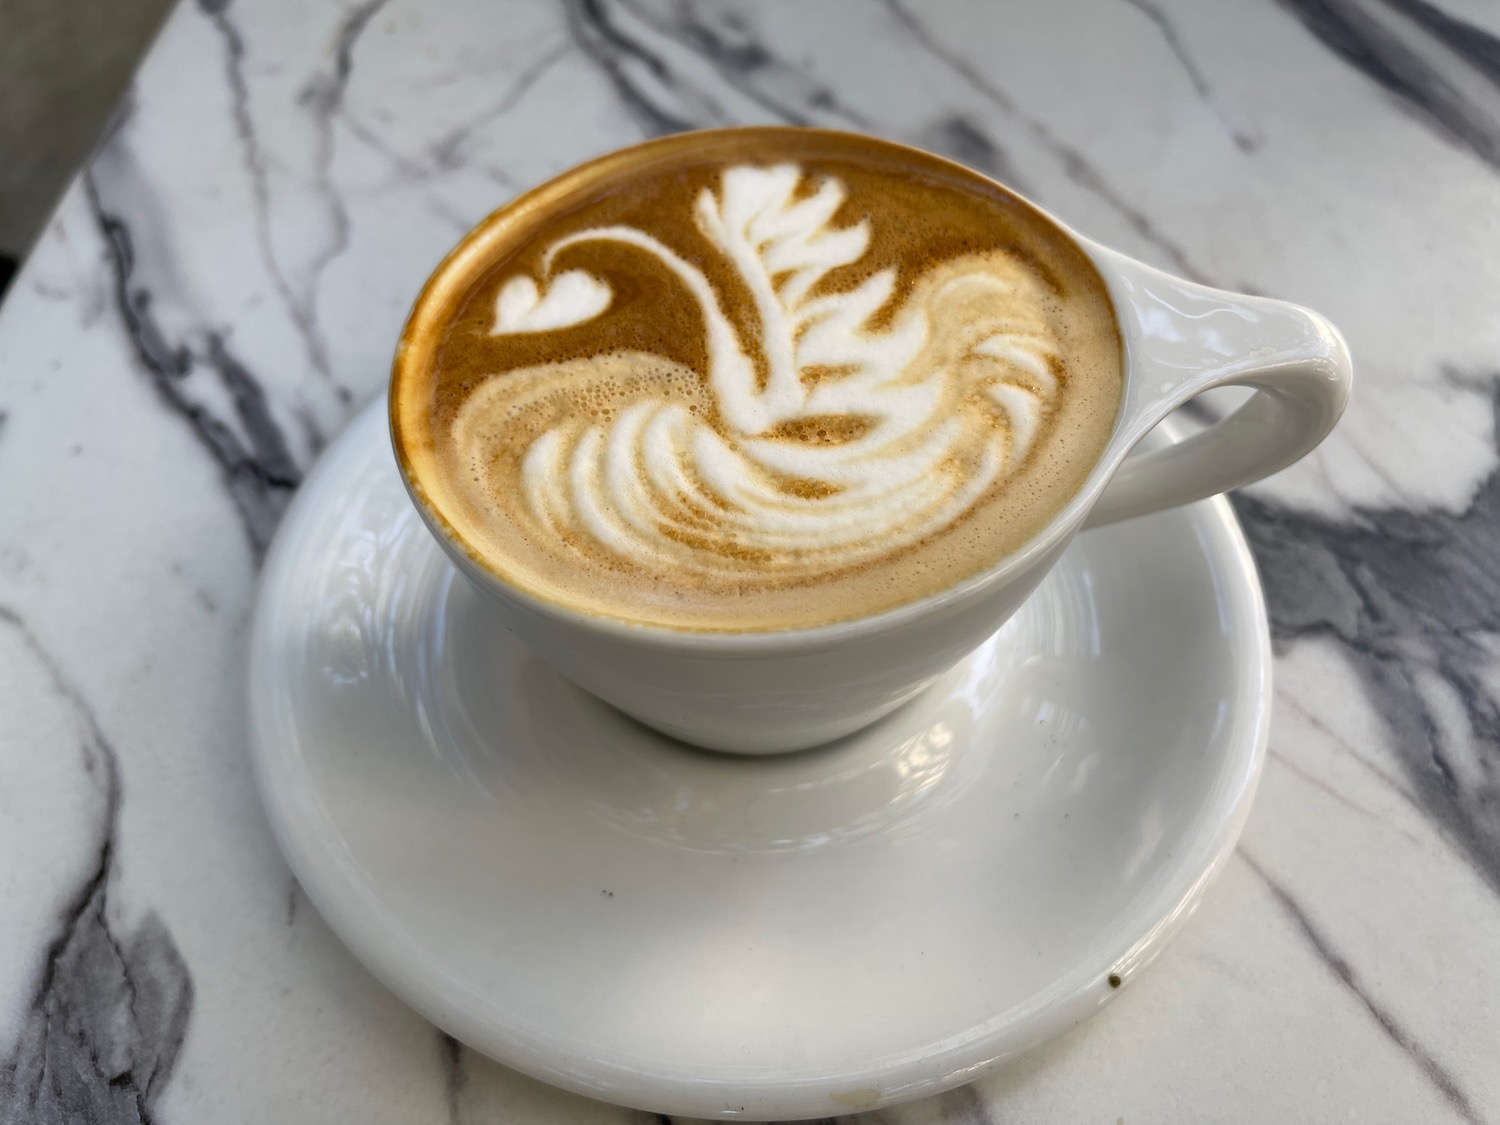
305 837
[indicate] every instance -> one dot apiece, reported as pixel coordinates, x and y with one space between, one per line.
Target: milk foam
930 411
755 379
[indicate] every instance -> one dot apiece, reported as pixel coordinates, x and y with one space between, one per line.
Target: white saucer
795 936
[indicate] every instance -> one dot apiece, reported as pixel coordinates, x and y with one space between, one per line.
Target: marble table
221 288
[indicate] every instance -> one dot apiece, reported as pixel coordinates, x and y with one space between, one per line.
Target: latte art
858 441
749 390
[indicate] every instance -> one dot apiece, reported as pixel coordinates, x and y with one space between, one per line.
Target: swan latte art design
763 388
927 426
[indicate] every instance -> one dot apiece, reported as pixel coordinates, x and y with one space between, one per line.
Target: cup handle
1181 339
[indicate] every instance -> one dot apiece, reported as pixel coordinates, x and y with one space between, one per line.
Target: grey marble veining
107 1017
259 471
223 285
1444 67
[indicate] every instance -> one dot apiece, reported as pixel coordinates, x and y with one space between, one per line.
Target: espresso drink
756 379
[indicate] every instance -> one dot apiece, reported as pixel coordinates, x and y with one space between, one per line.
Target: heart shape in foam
572 297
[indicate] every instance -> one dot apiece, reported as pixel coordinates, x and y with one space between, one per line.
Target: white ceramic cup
763 692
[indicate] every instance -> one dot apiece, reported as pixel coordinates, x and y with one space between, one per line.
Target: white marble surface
223 285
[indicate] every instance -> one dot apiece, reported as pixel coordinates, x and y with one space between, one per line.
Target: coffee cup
758 690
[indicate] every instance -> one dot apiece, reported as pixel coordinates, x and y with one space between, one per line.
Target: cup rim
451 272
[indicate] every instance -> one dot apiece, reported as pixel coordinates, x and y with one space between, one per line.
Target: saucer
716 936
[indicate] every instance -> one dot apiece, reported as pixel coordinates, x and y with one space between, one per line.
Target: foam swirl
847 443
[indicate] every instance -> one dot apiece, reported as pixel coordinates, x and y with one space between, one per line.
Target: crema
756 379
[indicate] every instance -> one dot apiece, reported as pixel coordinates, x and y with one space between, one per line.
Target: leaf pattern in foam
759 225
660 487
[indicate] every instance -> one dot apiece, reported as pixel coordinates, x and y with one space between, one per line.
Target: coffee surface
756 379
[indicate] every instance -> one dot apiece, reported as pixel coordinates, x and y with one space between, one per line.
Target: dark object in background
63 65
7 271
